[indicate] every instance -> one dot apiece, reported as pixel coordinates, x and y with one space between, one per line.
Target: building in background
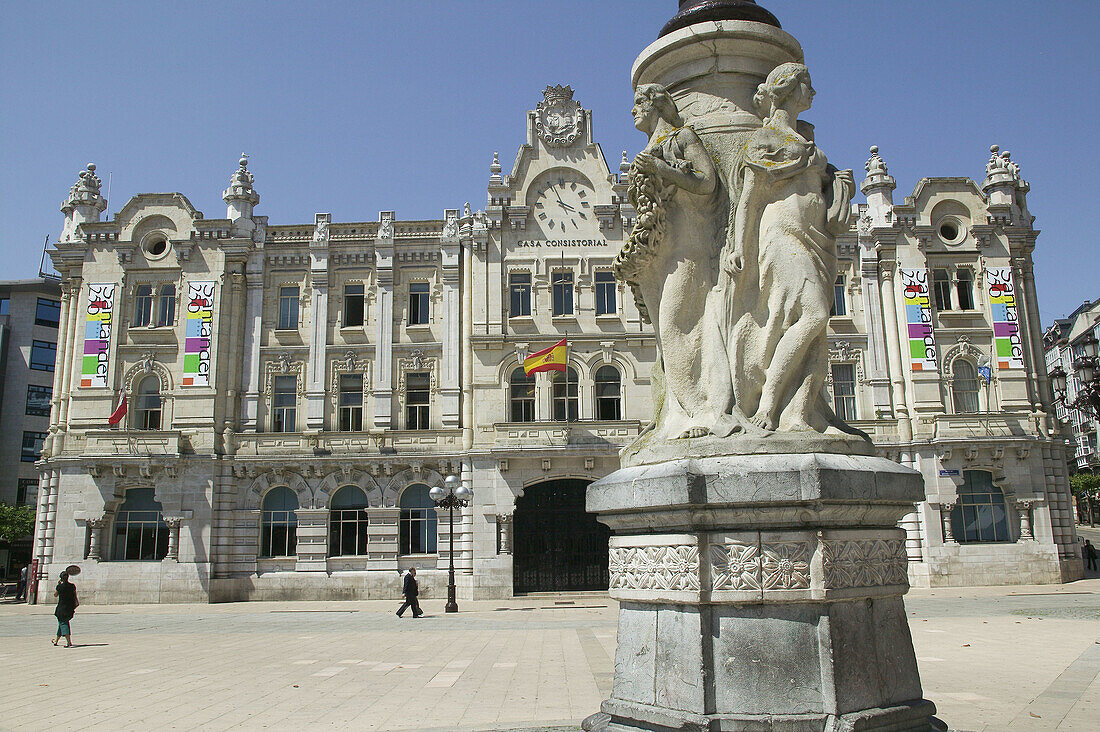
293 392
29 312
1063 344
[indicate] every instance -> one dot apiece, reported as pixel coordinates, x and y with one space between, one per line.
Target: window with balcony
418 522
288 307
605 293
47 312
964 387
980 515
351 402
43 354
279 523
562 292
147 404
140 533
417 400
521 396
284 401
608 393
565 392
418 303
348 522
143 306
844 390
354 298
38 400
519 294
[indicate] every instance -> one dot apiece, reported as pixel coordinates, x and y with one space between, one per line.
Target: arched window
279 523
608 393
521 397
140 531
418 521
347 522
147 404
565 395
964 387
979 514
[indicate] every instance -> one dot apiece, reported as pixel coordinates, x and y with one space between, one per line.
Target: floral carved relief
654 567
735 566
785 565
867 563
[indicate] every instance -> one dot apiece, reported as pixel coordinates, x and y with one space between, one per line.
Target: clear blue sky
353 108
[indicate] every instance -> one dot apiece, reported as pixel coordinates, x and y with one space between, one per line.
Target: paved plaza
1024 658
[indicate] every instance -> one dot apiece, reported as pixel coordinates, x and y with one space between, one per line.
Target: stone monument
756 555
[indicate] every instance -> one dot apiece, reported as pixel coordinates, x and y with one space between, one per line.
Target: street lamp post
1087 399
452 495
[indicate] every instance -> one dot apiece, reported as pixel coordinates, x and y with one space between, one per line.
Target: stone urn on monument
756 555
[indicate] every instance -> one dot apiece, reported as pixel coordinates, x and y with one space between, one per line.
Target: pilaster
318 326
383 362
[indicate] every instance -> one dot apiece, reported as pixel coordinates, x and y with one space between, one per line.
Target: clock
562 203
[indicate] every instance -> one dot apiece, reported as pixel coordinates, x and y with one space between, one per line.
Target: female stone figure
671 264
791 207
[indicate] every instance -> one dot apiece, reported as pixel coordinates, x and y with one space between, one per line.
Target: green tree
1086 489
15 522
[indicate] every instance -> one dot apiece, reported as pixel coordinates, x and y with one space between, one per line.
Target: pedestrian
21 588
1090 556
410 589
66 607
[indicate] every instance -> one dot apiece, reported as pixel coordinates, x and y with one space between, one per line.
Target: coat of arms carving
558 117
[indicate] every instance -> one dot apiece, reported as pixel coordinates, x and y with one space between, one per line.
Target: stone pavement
1023 658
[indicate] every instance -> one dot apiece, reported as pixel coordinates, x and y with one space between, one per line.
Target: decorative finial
878 177
495 170
240 190
624 164
243 162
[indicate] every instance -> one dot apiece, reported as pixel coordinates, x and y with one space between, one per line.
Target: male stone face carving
736 276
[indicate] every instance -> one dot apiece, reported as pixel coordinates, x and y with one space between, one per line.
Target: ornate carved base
762 592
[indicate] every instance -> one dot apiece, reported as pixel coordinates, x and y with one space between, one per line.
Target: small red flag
120 409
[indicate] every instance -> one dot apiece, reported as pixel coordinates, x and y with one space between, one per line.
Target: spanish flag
548 359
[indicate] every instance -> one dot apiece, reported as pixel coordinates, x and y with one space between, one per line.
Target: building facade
293 392
1062 346
29 314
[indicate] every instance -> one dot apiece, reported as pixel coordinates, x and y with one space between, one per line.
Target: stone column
64 347
173 523
51 516
450 388
383 346
504 533
1023 507
467 364
66 364
95 529
893 350
946 510
318 323
253 333
1033 350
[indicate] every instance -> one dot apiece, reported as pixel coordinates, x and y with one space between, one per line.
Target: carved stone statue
736 277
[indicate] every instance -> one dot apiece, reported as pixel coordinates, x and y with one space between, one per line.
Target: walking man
410 590
1090 555
21 588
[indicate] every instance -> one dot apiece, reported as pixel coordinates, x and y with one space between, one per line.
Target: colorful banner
98 324
1008 349
918 319
200 327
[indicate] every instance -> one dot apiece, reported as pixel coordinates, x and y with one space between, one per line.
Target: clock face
562 203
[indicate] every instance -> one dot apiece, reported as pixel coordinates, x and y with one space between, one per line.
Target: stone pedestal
762 592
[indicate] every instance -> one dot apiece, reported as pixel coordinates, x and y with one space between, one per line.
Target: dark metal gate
558 546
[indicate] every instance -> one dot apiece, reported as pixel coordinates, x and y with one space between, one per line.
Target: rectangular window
27 493
844 391
964 288
840 305
562 292
47 313
38 400
143 305
288 308
353 304
418 303
43 354
167 314
32 445
519 291
284 402
417 400
605 294
941 288
5 305
351 402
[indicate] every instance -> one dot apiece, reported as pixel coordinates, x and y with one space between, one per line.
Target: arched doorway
558 546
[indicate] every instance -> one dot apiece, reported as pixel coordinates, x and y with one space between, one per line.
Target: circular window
951 230
155 245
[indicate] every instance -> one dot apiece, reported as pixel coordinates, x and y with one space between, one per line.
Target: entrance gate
558 546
